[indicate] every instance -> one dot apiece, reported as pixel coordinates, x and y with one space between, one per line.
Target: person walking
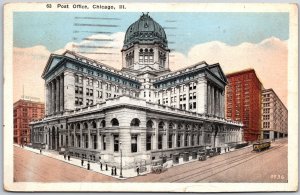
82 161
65 156
138 170
69 157
40 150
88 165
101 166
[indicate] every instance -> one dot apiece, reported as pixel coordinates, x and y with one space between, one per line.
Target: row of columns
215 101
55 95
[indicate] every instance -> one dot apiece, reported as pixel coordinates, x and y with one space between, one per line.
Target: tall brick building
243 101
26 111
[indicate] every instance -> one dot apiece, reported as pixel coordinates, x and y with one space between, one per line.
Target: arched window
72 126
94 124
149 124
135 122
85 125
77 126
180 126
102 123
61 126
171 126
161 126
114 122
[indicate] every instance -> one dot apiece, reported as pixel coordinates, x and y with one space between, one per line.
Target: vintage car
202 156
157 166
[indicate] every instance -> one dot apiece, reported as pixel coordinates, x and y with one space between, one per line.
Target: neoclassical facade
95 111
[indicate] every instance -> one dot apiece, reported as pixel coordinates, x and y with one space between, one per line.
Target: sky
236 40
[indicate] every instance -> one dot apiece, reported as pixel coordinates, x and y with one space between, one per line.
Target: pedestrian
115 170
69 157
40 150
82 161
106 168
65 156
112 171
88 165
138 170
101 166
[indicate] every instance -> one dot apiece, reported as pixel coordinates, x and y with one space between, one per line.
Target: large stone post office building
95 111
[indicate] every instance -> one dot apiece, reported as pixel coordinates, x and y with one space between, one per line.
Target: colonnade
55 95
215 100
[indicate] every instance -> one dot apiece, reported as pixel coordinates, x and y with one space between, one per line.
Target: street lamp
121 175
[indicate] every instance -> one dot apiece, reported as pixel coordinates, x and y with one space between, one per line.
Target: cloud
268 58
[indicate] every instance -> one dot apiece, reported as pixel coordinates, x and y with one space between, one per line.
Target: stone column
57 96
47 97
177 96
169 97
187 97
155 137
61 93
53 97
213 101
208 99
166 137
175 137
89 139
217 101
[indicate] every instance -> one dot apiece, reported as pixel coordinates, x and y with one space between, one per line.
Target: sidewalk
128 173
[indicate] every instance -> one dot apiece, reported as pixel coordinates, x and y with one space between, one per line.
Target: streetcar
260 146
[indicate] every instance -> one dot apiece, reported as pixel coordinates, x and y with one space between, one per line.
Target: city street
241 165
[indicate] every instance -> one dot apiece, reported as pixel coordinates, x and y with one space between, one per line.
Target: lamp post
121 175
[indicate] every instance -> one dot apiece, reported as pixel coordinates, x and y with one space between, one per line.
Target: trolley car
261 146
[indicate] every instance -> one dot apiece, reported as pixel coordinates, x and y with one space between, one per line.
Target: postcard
160 97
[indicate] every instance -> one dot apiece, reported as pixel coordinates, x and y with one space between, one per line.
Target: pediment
217 70
52 63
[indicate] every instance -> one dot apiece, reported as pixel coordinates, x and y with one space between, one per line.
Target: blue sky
55 29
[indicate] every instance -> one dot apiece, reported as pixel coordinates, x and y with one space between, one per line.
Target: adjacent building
274 116
144 110
243 102
26 111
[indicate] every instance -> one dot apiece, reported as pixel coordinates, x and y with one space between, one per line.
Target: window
133 143
104 142
160 138
114 122
185 140
179 140
79 79
95 141
135 122
86 140
116 143
170 141
148 142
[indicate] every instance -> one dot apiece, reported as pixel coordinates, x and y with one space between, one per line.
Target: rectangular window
170 141
133 143
160 138
185 140
178 141
80 89
76 89
91 92
86 140
116 143
104 142
148 142
194 105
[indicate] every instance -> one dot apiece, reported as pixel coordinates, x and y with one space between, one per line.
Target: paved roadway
238 166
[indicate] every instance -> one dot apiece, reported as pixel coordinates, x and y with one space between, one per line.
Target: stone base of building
272 135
